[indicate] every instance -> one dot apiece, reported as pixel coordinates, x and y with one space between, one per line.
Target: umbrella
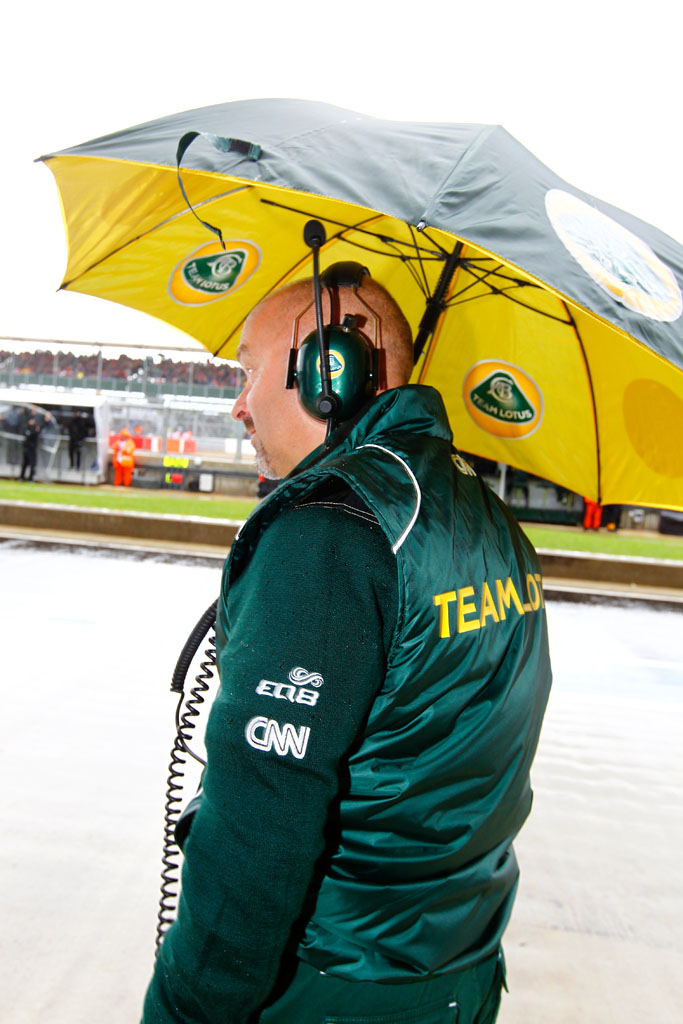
549 321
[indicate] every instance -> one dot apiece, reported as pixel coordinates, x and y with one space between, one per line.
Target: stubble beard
263 464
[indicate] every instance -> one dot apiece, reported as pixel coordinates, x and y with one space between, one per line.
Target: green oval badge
211 272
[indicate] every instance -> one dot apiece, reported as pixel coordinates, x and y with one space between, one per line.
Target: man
32 429
76 429
384 671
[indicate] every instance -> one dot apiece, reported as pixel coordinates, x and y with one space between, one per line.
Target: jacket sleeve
303 643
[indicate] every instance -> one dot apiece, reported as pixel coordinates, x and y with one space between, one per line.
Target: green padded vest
424 875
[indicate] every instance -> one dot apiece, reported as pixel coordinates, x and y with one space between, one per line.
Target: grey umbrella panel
475 182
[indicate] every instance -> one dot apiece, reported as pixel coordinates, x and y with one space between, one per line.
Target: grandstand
181 408
153 376
178 408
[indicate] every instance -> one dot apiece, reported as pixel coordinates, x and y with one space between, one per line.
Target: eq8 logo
295 691
265 734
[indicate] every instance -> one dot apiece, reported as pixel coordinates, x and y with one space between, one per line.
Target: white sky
592 88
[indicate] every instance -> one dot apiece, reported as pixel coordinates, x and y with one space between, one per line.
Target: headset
336 368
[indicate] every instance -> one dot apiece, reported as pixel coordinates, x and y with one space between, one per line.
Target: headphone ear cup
351 371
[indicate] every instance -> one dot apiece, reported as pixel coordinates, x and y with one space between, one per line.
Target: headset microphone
327 402
335 368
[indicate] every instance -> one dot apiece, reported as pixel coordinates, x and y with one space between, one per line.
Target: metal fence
152 389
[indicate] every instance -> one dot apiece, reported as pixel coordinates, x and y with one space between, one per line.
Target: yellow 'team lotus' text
474 612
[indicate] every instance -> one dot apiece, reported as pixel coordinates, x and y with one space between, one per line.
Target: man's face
280 429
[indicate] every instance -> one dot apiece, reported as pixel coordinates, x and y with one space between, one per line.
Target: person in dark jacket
31 432
382 648
76 429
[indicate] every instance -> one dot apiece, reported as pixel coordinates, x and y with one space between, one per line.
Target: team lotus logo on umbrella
211 272
621 263
502 399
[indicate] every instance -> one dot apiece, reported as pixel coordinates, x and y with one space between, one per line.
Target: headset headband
355 358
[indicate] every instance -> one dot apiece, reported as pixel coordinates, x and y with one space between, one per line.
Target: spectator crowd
125 367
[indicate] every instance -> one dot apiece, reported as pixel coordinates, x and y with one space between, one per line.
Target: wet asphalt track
89 642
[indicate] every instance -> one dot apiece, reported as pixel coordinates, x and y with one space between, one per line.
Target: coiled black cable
191 647
185 723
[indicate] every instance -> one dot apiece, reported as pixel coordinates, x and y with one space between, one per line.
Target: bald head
281 430
394 335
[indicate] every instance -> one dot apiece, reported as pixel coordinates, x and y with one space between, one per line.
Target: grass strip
605 543
169 503
182 503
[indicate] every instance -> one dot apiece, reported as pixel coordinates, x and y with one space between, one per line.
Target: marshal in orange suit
124 459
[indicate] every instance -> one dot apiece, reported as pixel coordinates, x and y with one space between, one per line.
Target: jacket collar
412 409
403 412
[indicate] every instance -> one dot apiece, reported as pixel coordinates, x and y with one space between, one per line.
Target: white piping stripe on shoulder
367 517
416 485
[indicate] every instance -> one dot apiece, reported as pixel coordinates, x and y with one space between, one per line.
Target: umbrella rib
356 227
504 293
149 231
480 276
381 252
469 263
442 249
516 282
598 466
425 289
407 262
415 276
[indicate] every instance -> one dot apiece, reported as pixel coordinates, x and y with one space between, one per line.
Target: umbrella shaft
435 303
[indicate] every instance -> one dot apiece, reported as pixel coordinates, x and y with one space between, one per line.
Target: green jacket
414 874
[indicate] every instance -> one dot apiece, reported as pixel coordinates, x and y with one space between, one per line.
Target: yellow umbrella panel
529 378
537 382
162 261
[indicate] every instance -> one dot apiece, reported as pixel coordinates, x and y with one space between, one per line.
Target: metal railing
153 389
